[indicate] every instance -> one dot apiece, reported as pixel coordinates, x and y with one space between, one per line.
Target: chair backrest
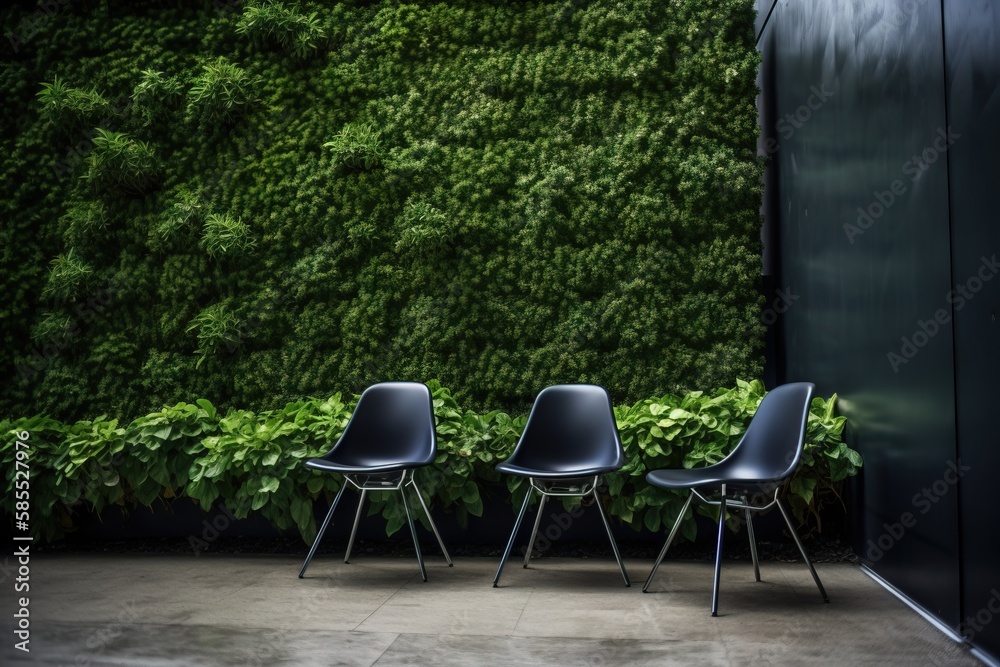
772 446
392 423
571 428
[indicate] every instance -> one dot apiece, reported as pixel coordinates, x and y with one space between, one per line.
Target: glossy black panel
859 197
972 41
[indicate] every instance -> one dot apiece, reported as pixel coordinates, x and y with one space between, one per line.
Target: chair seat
720 473
375 468
552 473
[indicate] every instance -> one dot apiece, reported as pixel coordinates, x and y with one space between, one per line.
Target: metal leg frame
614 547
534 531
670 539
802 550
748 510
430 520
413 532
718 553
544 491
354 530
319 535
406 478
753 540
513 536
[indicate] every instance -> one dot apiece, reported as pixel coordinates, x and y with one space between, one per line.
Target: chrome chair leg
513 536
614 546
718 553
753 542
430 520
319 535
802 550
354 530
413 532
534 531
670 539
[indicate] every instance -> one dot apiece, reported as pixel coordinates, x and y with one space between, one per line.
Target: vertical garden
221 220
258 202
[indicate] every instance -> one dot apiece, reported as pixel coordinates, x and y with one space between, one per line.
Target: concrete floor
176 610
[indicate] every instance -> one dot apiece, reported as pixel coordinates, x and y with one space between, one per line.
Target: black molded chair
570 440
390 433
766 456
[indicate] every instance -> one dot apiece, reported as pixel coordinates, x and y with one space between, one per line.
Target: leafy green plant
84 223
223 235
122 165
155 96
71 108
217 327
68 277
254 461
423 227
180 218
272 22
53 328
223 91
694 430
358 146
163 446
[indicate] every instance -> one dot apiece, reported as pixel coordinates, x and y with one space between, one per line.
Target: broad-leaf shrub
253 461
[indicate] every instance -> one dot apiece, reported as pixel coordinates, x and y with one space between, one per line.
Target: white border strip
985 658
929 617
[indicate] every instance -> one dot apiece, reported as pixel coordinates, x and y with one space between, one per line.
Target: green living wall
255 202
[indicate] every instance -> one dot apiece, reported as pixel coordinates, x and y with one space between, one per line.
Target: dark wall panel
857 102
972 42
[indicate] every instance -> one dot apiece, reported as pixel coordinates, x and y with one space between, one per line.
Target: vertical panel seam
954 337
774 3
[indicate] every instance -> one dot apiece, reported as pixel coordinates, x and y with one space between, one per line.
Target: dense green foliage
254 461
257 202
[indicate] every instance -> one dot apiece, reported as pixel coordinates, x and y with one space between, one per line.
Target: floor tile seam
383 603
521 613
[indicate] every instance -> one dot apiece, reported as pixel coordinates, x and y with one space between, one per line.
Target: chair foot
413 532
513 536
666 545
319 535
718 553
614 546
534 531
802 550
430 520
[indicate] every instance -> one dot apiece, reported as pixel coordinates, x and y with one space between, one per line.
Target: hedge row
254 461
